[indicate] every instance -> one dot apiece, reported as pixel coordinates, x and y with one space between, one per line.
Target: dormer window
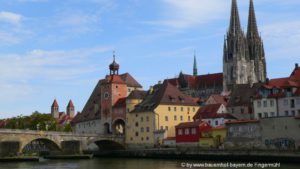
181 99
172 99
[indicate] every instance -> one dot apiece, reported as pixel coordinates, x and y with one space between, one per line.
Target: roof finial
195 70
114 55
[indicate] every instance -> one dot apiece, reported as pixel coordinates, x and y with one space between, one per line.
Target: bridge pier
9 148
71 147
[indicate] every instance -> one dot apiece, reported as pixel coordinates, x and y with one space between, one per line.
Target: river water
107 163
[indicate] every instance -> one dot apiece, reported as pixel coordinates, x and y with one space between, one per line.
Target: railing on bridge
41 132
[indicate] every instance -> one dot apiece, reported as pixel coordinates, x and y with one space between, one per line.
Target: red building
190 132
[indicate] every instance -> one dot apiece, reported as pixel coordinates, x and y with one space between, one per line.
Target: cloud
283 38
187 13
42 65
10 17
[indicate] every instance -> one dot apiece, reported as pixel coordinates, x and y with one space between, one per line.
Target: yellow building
213 138
155 118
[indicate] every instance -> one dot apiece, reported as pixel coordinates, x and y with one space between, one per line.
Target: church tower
256 49
195 70
243 55
55 109
235 57
70 109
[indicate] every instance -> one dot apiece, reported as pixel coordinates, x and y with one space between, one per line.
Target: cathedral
244 57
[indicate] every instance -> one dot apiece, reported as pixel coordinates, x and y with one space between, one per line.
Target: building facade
279 97
105 110
155 118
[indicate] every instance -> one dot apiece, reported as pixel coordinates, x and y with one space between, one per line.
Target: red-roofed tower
70 109
55 109
113 88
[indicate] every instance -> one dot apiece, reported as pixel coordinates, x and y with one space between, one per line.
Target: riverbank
210 155
19 159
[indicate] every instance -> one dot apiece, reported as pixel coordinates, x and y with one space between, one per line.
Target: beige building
155 118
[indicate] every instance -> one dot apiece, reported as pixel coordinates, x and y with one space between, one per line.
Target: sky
60 48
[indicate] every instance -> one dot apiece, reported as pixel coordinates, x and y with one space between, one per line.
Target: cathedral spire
235 25
195 70
252 25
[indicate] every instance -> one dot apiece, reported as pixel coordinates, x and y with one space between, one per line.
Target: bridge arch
118 126
38 145
109 145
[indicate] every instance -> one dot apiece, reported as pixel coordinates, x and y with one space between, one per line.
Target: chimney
267 81
296 65
159 82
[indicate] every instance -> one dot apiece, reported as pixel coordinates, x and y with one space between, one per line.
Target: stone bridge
55 141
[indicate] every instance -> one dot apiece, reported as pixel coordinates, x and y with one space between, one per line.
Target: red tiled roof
70 104
192 124
165 94
219 99
295 76
207 109
210 112
278 83
215 79
114 79
194 82
130 81
54 104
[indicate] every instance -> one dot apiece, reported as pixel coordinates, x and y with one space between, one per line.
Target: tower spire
195 70
235 24
252 25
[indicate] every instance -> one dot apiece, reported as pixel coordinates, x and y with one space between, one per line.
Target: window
194 109
209 122
242 111
169 108
188 109
147 129
142 119
180 132
181 117
298 101
187 131
142 138
189 118
181 108
265 103
147 138
286 102
175 108
293 113
166 127
194 131
166 118
175 118
258 103
216 122
272 114
142 129
266 115
117 86
271 103
136 124
286 113
136 133
147 118
298 112
292 103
